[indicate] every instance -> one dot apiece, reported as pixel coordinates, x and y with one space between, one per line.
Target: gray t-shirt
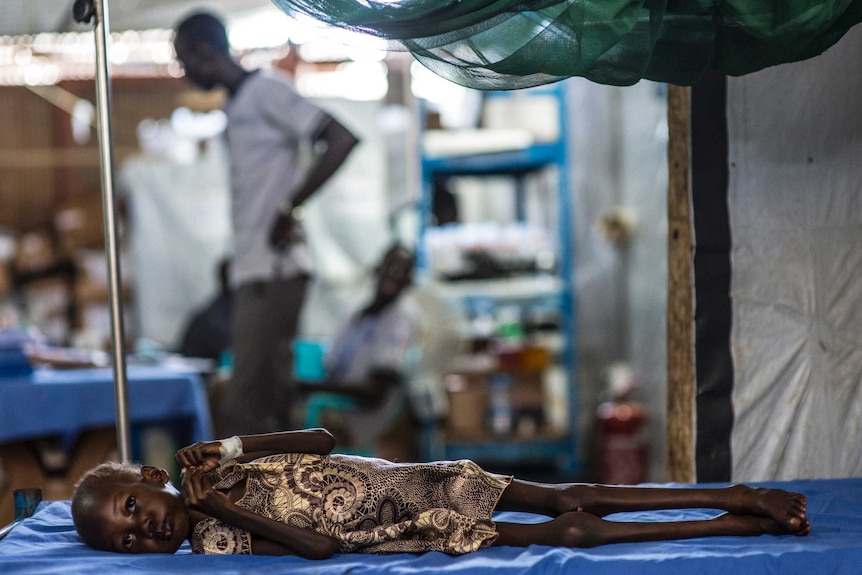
383 341
270 139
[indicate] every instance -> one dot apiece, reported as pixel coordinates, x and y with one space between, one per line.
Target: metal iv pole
84 11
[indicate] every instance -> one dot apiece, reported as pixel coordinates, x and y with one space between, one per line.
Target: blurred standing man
282 149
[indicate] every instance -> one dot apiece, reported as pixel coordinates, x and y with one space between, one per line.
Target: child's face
145 516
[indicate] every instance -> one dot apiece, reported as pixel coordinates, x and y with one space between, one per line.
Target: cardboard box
34 251
80 225
468 406
469 401
5 280
22 466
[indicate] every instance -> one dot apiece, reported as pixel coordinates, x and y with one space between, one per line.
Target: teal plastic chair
309 366
439 339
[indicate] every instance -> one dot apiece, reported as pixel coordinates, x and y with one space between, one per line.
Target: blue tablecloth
64 402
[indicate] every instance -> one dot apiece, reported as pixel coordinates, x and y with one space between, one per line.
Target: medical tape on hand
229 448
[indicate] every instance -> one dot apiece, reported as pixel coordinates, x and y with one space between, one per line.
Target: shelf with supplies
509 289
537 155
495 240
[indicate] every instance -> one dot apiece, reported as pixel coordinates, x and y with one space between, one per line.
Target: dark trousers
259 397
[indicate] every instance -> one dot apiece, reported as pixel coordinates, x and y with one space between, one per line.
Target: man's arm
336 142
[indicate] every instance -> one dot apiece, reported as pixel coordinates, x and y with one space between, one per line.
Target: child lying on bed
283 493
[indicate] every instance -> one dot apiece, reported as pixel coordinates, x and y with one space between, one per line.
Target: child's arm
269 537
206 454
318 441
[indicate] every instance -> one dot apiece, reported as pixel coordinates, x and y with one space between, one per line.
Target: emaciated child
284 493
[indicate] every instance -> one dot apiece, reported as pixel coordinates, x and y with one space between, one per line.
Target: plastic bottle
499 405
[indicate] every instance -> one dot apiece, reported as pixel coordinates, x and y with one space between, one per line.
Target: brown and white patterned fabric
370 505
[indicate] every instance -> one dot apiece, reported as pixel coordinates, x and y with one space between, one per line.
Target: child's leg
788 509
585 530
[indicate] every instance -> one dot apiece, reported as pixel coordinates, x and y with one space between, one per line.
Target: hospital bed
47 543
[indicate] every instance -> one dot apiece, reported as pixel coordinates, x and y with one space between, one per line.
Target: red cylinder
622 442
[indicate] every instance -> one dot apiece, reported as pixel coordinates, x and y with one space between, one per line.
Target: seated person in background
283 493
370 355
208 333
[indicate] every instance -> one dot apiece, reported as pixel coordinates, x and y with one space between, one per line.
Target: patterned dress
370 505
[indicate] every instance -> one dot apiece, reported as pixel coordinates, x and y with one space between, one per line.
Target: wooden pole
680 313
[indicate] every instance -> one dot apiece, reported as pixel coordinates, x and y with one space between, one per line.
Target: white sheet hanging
795 199
179 222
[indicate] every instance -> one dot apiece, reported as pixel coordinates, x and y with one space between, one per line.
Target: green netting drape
509 44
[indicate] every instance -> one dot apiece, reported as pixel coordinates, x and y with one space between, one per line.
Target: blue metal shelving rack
561 450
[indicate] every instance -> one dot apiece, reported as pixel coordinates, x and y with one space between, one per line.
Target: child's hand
199 493
203 454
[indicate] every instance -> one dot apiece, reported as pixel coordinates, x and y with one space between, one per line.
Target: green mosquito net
509 44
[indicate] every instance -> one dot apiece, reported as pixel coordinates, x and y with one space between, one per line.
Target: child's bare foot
759 525
787 509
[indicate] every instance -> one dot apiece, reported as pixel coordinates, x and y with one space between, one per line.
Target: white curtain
795 199
179 229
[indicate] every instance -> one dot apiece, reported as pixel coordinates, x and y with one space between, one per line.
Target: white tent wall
34 16
348 223
795 205
179 229
619 159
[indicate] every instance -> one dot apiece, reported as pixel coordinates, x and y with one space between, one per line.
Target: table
65 402
72 412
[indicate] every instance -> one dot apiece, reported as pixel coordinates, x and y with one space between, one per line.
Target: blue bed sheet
47 543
